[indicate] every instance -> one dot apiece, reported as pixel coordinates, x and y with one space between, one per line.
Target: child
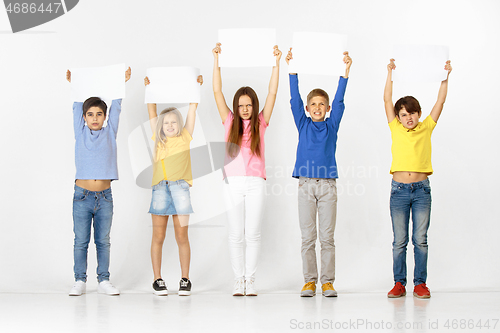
411 190
316 169
96 167
245 171
171 180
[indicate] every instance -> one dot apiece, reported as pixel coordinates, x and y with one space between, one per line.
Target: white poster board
317 53
420 63
247 47
173 85
106 82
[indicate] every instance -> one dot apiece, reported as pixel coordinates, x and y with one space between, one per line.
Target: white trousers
244 196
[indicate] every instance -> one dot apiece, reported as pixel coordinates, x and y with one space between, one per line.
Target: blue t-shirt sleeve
114 115
338 102
296 102
78 121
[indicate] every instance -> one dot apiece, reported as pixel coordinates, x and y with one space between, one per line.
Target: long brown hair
236 132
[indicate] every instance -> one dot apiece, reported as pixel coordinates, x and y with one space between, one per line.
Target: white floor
140 312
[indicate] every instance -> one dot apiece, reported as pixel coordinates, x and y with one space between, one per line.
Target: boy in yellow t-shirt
411 191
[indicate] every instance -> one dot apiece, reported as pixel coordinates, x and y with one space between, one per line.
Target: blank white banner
318 53
247 47
420 63
173 85
106 82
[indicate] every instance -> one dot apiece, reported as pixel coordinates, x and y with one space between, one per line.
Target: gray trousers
318 196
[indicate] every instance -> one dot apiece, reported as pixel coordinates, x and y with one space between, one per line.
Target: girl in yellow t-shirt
171 181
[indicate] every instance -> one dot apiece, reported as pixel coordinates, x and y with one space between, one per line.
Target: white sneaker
250 288
78 289
239 287
105 287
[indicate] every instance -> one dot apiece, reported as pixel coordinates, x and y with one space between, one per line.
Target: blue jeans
414 197
88 206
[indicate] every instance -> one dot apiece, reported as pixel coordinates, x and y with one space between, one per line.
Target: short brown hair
410 104
318 92
94 102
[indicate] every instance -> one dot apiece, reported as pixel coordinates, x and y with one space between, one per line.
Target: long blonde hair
160 137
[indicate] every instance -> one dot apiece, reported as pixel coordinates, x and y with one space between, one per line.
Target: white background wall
37 143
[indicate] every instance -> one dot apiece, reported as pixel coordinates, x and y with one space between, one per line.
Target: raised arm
116 107
153 116
273 87
389 106
443 91
348 62
296 103
338 106
78 122
191 116
289 56
217 85
128 73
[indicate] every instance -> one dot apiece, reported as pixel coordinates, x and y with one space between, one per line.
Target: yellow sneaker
309 289
328 290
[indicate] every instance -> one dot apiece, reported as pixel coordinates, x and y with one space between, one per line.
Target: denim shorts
171 198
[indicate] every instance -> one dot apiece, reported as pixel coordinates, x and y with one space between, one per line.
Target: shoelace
184 283
328 286
239 284
309 284
423 286
249 284
160 283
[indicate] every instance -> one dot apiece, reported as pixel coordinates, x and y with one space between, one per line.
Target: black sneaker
184 287
160 287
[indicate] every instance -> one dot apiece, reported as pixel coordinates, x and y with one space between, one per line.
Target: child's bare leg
159 231
181 236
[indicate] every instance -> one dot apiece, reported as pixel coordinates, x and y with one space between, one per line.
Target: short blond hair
318 92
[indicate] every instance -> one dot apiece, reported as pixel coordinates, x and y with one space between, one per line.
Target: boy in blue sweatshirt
316 169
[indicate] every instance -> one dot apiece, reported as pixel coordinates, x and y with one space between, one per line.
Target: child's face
245 107
317 108
170 125
408 119
95 118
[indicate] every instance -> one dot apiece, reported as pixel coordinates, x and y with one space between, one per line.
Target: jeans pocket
427 189
184 185
394 190
302 181
79 196
108 197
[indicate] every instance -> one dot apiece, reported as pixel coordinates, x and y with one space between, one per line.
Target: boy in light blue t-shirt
96 167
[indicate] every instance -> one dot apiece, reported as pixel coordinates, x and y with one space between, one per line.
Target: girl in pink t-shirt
244 171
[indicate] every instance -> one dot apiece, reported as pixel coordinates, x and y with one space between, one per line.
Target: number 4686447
26 8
